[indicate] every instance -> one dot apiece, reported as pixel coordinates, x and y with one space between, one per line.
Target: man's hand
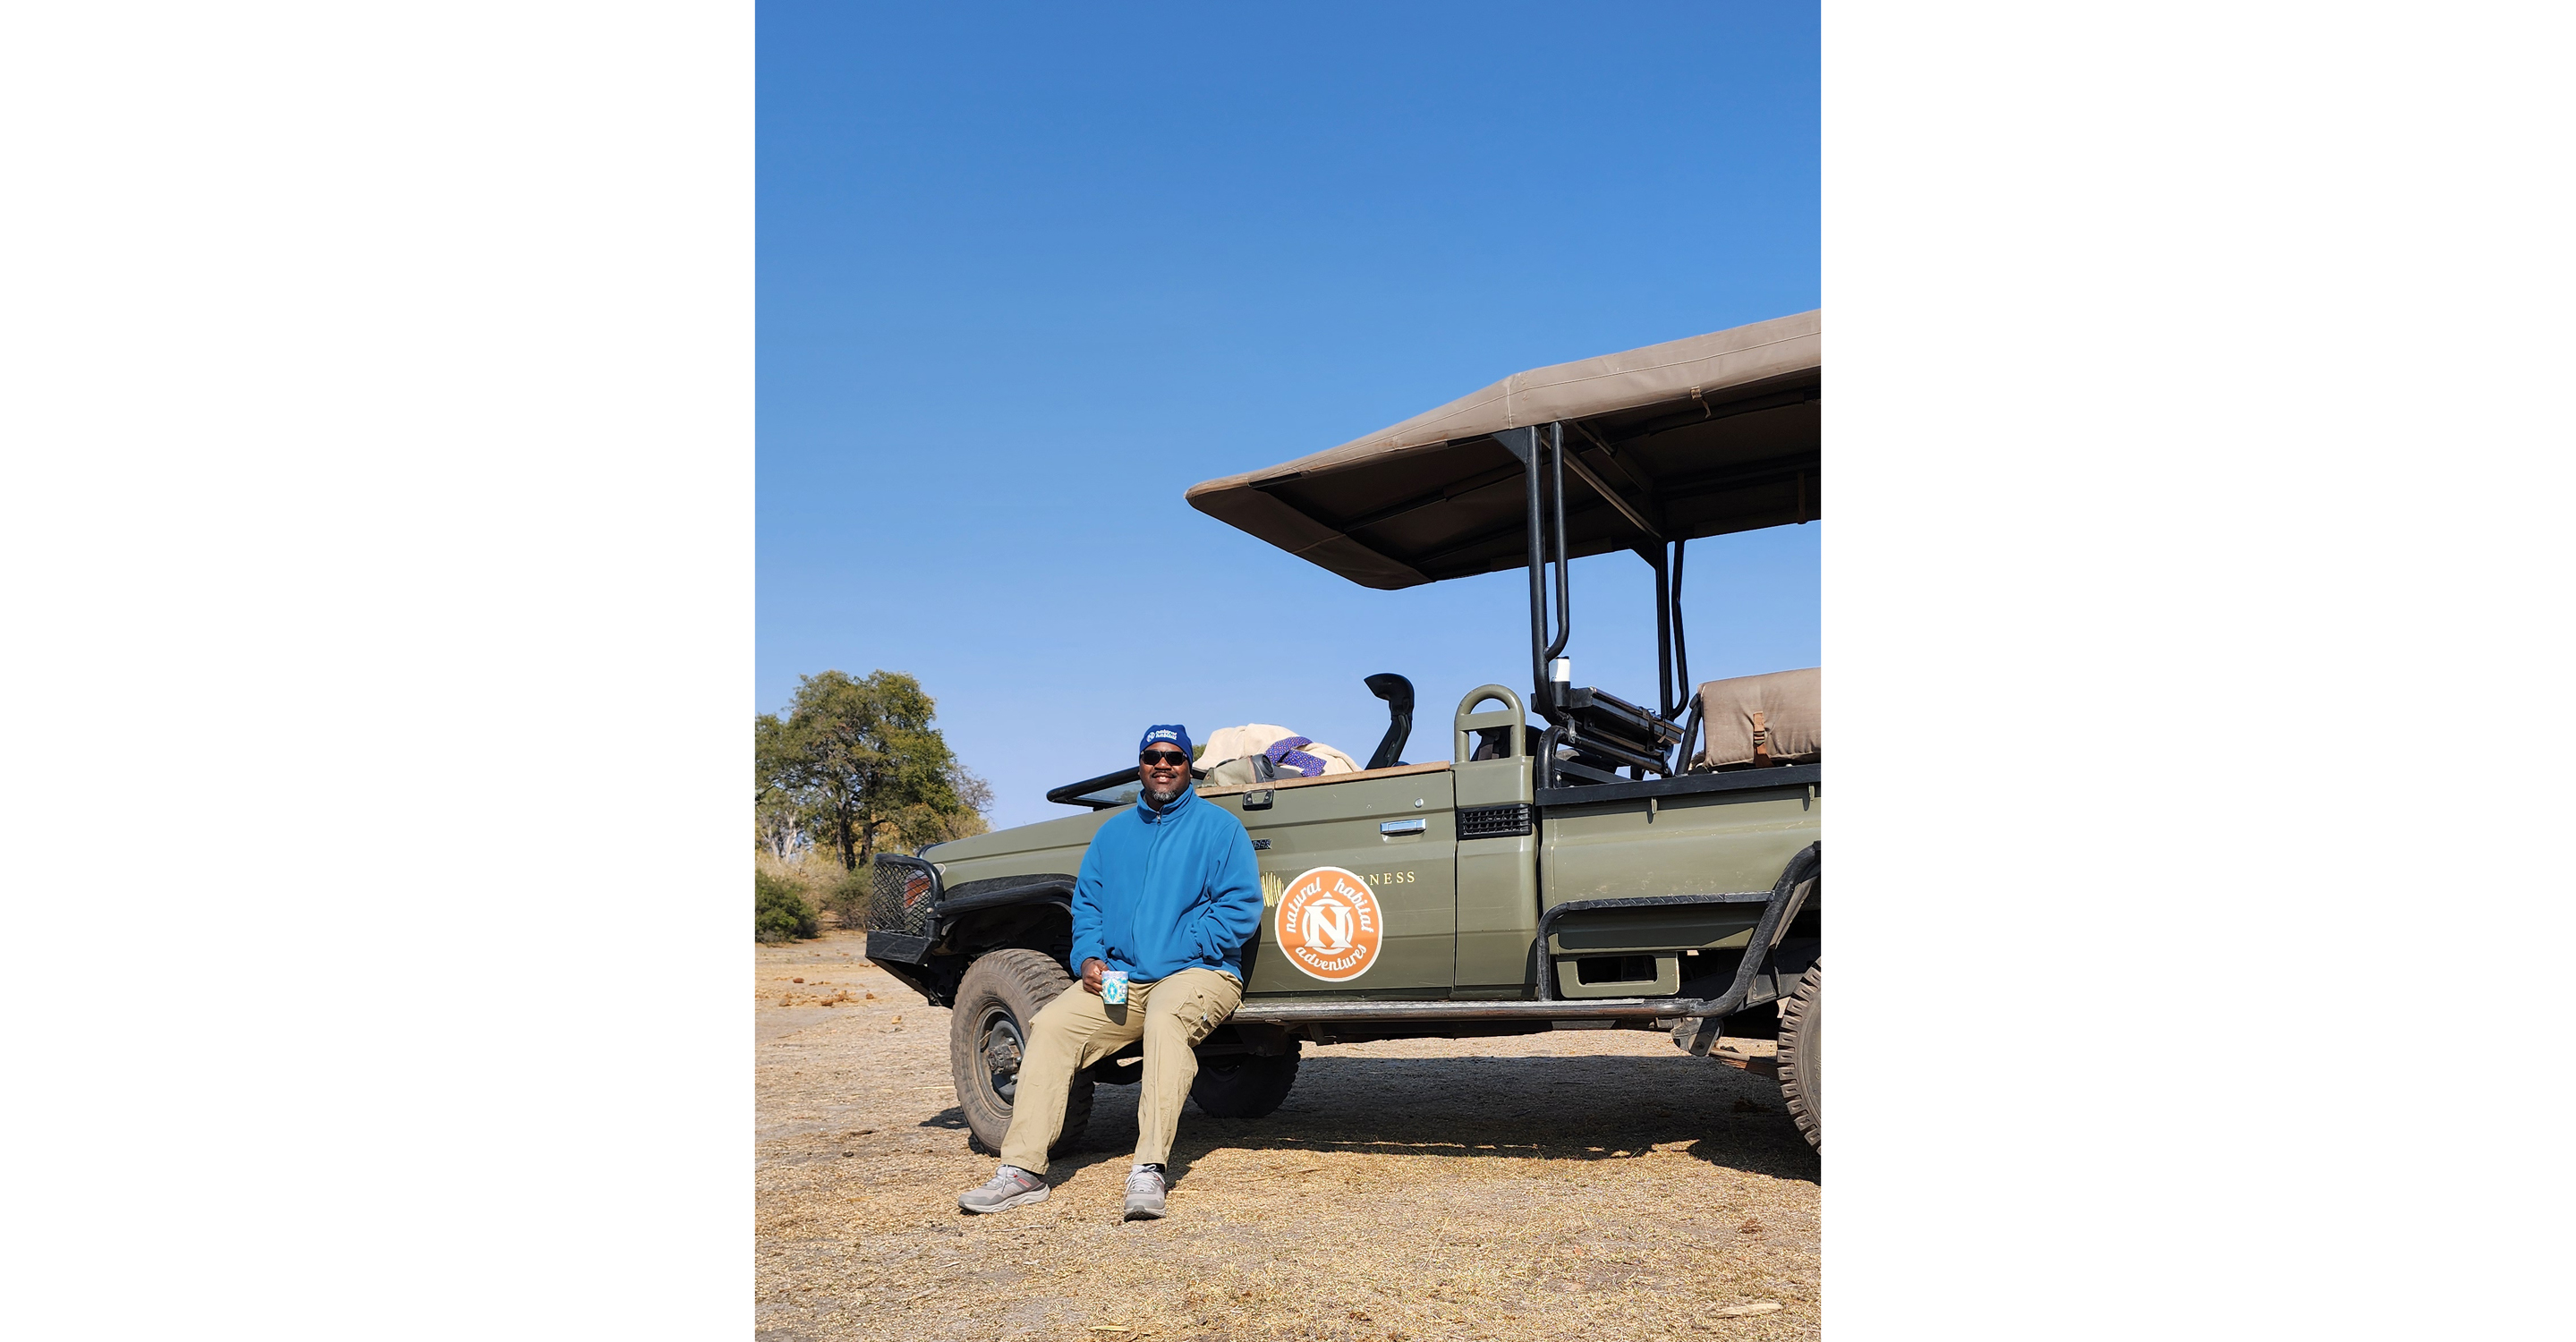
1091 975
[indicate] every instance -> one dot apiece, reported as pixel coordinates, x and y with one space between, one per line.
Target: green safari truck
1575 859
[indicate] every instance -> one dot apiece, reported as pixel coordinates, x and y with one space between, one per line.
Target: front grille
903 896
1494 822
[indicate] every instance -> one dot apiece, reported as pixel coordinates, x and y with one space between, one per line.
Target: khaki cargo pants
1077 1029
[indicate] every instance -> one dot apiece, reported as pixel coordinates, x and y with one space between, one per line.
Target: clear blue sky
1029 272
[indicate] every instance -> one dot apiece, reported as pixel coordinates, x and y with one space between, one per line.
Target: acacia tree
861 763
920 824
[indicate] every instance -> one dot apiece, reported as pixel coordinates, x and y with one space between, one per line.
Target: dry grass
814 869
1599 1183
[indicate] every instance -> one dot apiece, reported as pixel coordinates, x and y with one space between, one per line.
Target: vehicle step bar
1605 1008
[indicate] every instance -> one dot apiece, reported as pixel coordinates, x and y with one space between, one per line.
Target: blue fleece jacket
1166 890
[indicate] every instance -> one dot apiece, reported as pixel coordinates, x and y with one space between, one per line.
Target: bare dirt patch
1589 1182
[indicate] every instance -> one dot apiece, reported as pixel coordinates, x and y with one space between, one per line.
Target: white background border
378 502
2195 636
378 528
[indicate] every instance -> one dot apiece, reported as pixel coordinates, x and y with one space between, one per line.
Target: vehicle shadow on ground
1557 1108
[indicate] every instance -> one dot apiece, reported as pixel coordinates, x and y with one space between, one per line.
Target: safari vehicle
1609 865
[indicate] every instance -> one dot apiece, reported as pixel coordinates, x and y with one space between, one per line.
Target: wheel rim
999 1049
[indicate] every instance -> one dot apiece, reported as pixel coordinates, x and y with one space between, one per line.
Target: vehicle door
1358 882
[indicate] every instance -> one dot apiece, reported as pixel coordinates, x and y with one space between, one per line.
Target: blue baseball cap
1169 733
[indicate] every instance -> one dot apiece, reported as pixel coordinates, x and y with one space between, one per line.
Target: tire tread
1802 1058
1034 979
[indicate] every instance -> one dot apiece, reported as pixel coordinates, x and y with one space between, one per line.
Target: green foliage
856 766
848 898
779 909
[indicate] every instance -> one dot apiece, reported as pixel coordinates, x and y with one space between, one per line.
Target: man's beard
1160 799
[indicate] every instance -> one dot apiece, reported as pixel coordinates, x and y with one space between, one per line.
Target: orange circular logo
1329 924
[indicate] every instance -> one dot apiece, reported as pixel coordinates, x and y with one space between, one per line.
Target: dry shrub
817 875
780 911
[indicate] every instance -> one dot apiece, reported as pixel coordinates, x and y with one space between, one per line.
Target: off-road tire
1801 1070
1240 1085
1005 990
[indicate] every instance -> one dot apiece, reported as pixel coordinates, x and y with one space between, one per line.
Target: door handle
1413 826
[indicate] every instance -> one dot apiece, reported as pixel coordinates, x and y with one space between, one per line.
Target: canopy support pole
1564 560
1602 487
1541 451
1654 556
1523 444
1681 643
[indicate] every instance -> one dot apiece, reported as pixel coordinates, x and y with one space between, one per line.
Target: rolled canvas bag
1755 721
1257 753
1233 743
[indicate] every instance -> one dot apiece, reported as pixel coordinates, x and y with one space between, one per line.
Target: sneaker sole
1024 1199
1136 1213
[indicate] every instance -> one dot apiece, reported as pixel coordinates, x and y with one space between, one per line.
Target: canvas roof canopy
1695 437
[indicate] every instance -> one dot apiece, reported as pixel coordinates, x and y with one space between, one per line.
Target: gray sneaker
1144 1196
1013 1187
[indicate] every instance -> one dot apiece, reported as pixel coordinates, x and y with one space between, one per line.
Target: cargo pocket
1207 1009
1201 1015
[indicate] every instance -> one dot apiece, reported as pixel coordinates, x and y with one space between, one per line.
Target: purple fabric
1286 752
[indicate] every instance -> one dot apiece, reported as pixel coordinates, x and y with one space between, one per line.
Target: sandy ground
1595 1183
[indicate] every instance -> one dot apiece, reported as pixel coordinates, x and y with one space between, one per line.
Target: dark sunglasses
1163 757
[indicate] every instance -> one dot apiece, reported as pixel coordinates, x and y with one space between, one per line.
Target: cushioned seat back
1752 721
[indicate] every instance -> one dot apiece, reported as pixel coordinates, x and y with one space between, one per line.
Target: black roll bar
1523 443
1540 449
1681 646
1663 627
1556 492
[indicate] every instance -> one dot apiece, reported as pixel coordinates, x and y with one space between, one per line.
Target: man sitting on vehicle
1168 894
